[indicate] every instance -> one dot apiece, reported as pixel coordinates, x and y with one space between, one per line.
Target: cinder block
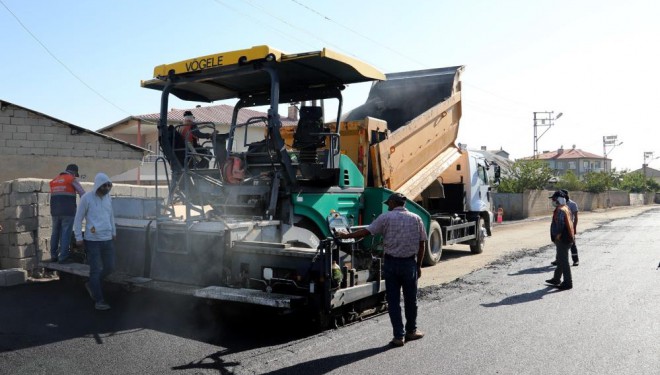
21 199
13 276
20 251
22 225
43 198
20 212
24 263
26 185
22 238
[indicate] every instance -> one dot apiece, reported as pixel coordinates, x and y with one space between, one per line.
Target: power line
296 27
60 61
246 15
423 65
361 35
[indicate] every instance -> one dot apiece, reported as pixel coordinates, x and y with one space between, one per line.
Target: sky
595 61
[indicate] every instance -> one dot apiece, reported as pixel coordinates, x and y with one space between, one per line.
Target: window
571 165
585 164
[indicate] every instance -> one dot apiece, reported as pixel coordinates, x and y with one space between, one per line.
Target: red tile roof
574 153
219 114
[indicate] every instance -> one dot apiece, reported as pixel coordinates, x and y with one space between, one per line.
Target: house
142 130
35 145
575 160
648 172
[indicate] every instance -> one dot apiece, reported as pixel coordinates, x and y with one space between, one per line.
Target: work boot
397 341
101 306
414 335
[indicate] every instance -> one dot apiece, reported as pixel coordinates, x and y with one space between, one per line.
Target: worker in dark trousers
573 207
562 235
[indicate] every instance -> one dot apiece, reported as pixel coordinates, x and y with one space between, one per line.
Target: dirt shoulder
514 237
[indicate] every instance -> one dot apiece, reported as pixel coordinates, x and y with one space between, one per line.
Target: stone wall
25 217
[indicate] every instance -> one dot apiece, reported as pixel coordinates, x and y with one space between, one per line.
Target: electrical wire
60 61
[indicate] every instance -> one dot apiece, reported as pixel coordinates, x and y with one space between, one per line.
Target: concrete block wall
25 217
532 203
34 145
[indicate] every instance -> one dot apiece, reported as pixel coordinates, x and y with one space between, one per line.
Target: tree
570 181
524 175
637 183
597 182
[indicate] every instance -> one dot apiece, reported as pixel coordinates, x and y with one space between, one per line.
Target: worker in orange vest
63 190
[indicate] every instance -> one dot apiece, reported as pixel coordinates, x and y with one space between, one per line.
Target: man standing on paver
63 189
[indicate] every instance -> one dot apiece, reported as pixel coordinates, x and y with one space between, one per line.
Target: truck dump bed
422 110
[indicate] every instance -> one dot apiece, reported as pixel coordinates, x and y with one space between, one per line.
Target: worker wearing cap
63 190
562 235
573 207
404 240
190 131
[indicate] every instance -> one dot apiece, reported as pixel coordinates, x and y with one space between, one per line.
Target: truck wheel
477 245
434 248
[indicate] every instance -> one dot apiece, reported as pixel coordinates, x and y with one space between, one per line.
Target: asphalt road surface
483 314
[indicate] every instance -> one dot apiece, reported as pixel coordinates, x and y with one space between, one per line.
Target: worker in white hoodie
96 209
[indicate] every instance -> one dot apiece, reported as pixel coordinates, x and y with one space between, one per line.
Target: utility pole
611 141
546 119
648 156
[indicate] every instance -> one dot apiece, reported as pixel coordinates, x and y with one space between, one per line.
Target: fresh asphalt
501 319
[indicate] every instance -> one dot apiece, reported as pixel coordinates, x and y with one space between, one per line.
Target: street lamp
542 119
611 141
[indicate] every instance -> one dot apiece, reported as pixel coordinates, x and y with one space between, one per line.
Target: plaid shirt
402 231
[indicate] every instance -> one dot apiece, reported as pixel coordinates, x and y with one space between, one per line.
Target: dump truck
260 217
408 125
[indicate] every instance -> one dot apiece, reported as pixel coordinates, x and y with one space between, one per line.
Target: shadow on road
533 271
318 366
43 313
522 298
449 253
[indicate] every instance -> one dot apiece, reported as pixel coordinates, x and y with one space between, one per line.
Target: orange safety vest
63 195
186 132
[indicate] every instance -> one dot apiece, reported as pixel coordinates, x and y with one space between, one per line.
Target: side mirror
497 173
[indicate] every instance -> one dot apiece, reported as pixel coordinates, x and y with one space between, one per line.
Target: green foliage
597 182
570 182
525 175
637 183
652 185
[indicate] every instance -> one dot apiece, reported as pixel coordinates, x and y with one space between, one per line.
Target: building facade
35 145
577 161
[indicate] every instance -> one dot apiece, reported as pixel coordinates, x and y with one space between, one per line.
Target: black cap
565 192
73 169
397 198
187 113
557 194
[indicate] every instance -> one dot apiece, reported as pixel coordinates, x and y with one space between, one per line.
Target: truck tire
477 245
434 249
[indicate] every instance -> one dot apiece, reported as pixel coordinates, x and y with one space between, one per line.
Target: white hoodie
97 212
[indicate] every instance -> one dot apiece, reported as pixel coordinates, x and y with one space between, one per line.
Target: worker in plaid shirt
404 241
